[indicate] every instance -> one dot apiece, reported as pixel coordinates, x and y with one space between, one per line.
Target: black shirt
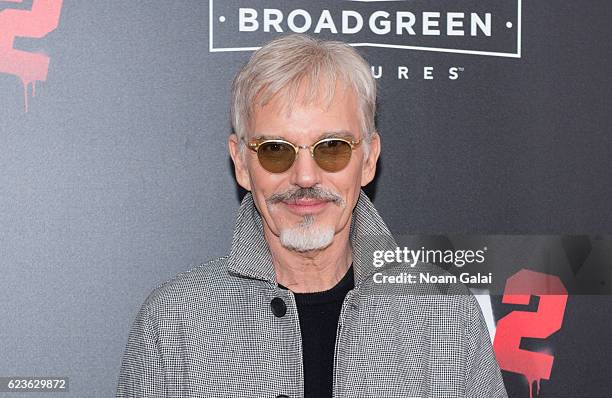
318 314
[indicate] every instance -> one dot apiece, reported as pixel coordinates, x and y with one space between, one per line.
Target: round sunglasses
277 156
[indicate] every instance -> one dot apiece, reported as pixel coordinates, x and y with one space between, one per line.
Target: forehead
307 113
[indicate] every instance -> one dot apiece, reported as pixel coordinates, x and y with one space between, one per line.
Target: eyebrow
328 134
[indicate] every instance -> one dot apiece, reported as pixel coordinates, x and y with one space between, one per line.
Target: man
293 310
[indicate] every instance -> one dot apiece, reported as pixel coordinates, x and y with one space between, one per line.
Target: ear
369 165
242 173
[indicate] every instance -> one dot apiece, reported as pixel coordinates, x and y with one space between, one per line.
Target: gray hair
284 64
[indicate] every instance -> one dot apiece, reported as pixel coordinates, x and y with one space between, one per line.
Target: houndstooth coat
212 331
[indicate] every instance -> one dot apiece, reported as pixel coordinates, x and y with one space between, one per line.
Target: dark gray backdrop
118 176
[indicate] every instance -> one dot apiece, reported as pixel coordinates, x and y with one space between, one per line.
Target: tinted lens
332 155
276 157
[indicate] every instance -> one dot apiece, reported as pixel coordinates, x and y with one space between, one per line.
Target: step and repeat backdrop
114 171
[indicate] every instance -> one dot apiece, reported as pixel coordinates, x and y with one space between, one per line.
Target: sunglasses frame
255 143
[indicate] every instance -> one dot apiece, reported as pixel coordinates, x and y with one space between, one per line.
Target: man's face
306 202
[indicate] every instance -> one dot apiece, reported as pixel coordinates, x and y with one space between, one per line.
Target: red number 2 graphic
540 324
36 23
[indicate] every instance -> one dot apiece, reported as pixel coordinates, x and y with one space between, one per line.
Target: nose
305 172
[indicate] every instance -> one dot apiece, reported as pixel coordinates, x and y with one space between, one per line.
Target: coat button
278 307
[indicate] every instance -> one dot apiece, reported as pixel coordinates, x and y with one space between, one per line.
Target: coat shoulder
199 281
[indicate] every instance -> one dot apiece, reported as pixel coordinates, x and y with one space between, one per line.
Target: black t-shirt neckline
318 314
336 293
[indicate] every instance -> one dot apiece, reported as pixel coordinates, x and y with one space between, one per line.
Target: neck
313 271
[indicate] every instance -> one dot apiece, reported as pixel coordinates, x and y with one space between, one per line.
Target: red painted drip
35 23
531 387
25 95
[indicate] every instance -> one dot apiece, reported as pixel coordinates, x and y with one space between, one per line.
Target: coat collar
250 255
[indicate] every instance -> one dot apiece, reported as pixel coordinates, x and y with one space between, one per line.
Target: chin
305 238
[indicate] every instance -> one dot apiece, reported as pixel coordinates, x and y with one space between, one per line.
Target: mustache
318 193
